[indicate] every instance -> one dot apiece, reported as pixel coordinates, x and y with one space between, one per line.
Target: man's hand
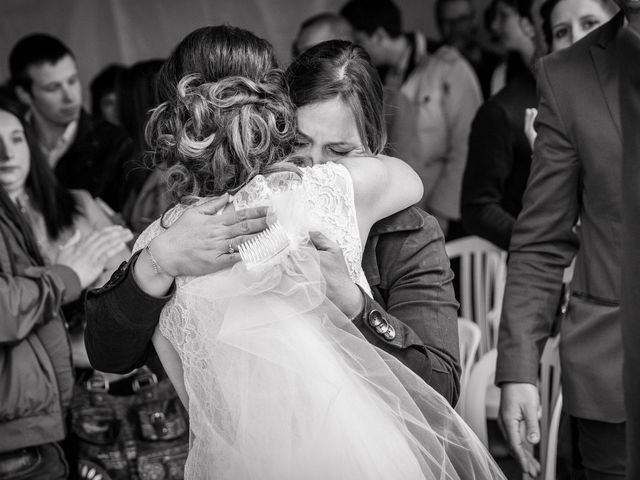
519 405
340 288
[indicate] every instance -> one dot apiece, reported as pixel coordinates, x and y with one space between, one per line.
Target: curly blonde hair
213 137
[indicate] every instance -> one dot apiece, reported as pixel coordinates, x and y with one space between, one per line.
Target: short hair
34 49
439 5
213 53
369 15
103 84
524 7
227 117
341 69
57 205
137 94
337 23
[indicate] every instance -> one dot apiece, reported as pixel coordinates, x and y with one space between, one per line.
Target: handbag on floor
139 432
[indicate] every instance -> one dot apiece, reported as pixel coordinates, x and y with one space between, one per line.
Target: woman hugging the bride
278 381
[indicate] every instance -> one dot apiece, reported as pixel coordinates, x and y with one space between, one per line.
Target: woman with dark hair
59 218
145 188
564 22
44 265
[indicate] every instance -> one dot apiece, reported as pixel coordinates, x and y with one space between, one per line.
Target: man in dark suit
575 175
630 301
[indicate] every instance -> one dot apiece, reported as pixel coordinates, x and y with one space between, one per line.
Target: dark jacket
498 162
630 300
575 173
36 376
408 270
98 161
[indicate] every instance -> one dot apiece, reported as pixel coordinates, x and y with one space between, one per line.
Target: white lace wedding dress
280 384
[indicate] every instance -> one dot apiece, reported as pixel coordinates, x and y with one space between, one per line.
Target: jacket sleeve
420 306
121 319
33 298
542 245
460 102
489 164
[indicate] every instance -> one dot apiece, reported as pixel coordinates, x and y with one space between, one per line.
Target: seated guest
499 154
83 152
320 28
431 100
37 276
103 94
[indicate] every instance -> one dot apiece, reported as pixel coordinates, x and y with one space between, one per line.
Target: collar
609 31
405 220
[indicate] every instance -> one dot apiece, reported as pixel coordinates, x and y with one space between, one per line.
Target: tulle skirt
281 385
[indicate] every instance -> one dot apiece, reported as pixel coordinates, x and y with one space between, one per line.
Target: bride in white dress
278 382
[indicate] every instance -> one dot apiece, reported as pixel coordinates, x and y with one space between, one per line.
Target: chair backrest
549 471
550 392
469 335
482 280
482 376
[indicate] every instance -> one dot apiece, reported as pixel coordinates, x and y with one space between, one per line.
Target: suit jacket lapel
605 60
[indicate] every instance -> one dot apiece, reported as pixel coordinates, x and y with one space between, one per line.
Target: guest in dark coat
84 153
630 301
499 154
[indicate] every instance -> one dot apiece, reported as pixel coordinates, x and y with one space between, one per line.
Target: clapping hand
530 115
88 255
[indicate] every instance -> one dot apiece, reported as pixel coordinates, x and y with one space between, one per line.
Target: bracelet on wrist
157 269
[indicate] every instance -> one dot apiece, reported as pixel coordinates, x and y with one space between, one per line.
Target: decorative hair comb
268 248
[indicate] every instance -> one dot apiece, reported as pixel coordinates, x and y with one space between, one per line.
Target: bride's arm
382 186
172 365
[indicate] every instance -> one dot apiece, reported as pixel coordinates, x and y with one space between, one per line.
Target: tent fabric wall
100 32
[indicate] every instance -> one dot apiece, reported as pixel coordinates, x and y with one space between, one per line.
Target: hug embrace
280 345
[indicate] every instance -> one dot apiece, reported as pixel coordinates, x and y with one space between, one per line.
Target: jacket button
391 333
383 328
375 319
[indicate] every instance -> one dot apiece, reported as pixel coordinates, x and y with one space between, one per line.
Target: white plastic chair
482 280
469 335
550 398
480 382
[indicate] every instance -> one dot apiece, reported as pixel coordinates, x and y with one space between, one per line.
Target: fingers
322 242
226 261
247 227
106 242
238 216
213 206
531 423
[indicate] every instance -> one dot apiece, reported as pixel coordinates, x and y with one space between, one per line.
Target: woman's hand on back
200 242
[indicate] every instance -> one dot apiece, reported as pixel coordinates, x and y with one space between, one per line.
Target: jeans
42 462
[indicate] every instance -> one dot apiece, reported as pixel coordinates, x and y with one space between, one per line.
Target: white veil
282 385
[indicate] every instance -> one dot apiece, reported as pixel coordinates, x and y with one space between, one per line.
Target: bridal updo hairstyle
339 68
226 114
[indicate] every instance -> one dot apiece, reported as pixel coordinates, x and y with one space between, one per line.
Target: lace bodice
327 191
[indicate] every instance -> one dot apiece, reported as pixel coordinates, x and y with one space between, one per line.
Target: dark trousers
43 462
596 450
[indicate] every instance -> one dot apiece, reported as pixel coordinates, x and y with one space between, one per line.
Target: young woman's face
573 19
327 132
15 158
